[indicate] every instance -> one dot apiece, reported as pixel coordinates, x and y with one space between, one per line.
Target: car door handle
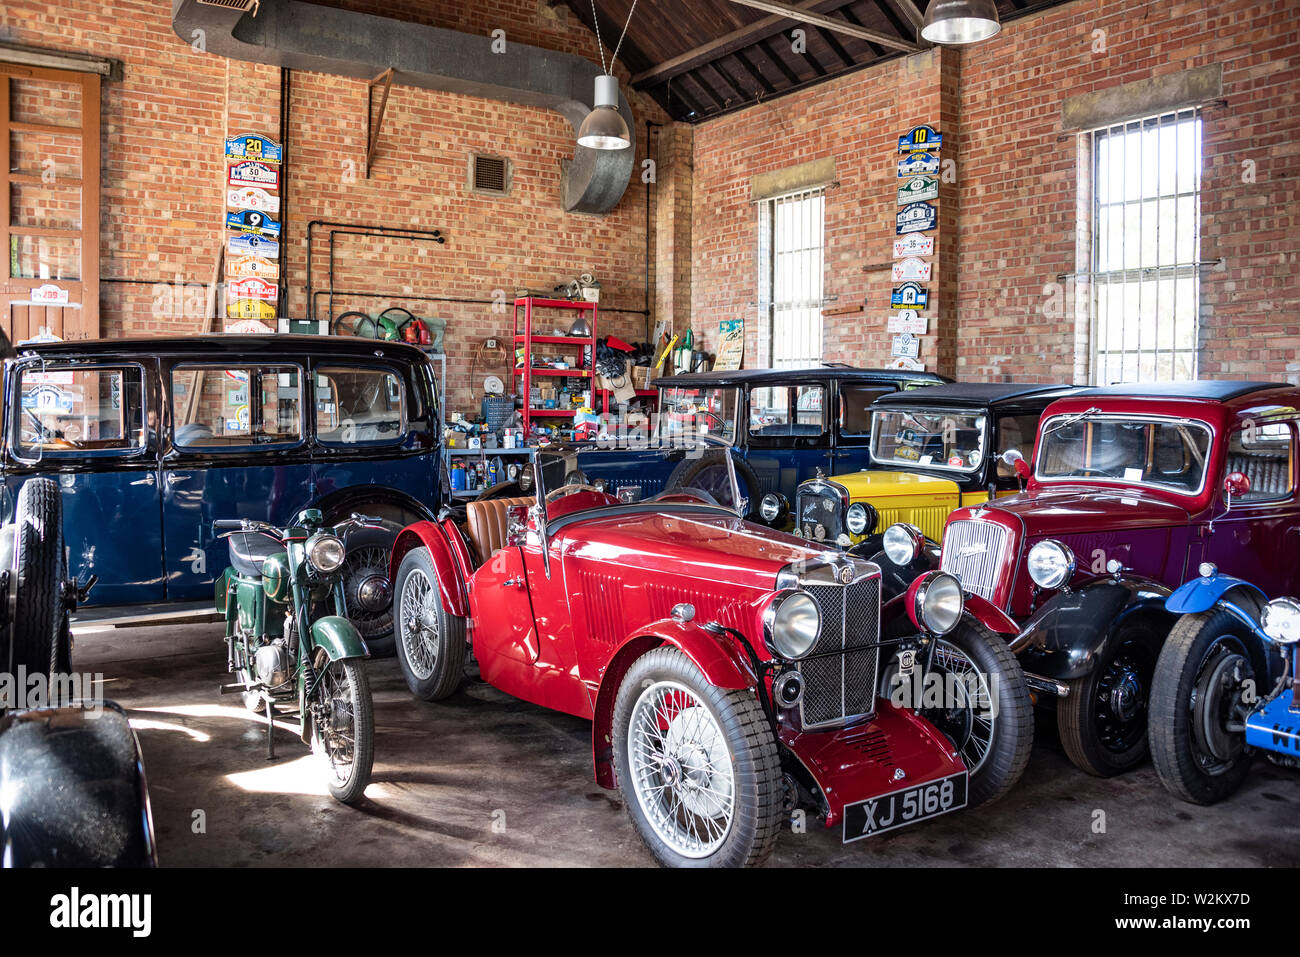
174 479
147 480
513 583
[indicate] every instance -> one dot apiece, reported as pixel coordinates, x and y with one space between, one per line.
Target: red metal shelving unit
580 369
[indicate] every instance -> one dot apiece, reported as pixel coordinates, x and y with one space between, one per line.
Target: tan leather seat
487 525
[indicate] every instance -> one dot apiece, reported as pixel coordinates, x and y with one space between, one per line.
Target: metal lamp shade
604 127
956 22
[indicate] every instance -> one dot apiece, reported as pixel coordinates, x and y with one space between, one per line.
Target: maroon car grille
840 673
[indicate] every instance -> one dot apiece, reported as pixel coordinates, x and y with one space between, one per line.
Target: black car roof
979 393
1216 390
236 346
817 373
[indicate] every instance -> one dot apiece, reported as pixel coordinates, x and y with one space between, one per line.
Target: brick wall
1007 226
163 187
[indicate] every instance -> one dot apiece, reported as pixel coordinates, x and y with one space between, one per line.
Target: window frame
18 450
769 254
319 368
200 449
1293 429
792 441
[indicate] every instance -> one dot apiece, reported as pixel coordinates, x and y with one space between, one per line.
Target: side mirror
1236 484
1022 469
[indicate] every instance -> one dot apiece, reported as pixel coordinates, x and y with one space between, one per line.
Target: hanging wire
595 21
619 45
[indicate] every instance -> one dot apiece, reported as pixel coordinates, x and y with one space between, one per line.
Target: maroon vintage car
1132 488
730 672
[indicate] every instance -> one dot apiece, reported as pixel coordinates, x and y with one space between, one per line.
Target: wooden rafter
816 19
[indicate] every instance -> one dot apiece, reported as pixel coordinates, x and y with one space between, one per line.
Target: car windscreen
949 440
1162 453
562 479
686 411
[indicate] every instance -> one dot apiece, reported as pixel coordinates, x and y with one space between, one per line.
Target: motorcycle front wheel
343 727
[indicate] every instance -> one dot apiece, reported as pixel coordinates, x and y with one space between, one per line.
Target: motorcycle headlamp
937 602
1051 564
325 552
860 518
792 623
902 543
1281 621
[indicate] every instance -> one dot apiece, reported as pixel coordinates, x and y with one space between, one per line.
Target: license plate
897 809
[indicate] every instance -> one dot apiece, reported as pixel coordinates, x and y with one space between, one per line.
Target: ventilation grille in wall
489 174
244 5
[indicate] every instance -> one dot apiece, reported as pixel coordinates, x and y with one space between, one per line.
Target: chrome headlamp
937 602
325 552
902 543
1281 621
1051 564
792 623
773 507
860 518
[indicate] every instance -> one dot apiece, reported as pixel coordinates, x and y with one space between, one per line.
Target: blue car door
91 426
237 448
788 436
373 426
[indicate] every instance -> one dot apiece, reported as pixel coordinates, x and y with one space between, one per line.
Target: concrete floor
483 779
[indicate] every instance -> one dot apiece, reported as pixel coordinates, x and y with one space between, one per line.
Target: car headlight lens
902 543
771 506
526 479
859 519
325 552
792 624
938 602
1051 564
1281 620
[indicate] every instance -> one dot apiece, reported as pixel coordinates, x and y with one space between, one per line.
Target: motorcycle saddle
249 549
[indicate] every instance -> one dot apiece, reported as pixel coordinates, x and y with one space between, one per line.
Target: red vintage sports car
730 672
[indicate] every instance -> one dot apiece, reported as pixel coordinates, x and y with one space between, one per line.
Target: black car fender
1065 638
76 791
895 579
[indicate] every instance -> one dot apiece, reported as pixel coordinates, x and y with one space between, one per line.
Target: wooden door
49 159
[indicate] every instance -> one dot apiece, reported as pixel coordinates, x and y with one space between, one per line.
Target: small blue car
150 440
1224 687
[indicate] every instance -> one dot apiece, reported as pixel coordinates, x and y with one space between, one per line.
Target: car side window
855 406
1015 432
1265 454
73 410
232 406
358 406
786 413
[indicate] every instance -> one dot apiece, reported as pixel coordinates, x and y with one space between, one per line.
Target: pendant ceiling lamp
604 128
957 22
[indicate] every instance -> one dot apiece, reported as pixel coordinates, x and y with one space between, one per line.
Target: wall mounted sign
246 267
914 244
909 321
250 309
253 146
918 188
908 365
915 218
251 197
250 173
906 344
916 164
912 268
49 294
247 327
920 139
253 288
253 221
909 296
248 244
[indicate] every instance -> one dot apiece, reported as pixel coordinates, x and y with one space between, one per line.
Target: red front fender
981 609
451 576
717 656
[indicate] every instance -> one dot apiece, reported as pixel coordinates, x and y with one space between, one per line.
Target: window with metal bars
1145 237
791 248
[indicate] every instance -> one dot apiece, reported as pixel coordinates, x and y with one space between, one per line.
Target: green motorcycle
286 654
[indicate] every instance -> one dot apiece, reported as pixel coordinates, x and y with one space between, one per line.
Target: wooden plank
55 128
37 179
830 23
89 311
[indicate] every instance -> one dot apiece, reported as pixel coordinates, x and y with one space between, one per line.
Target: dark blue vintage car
782 425
150 440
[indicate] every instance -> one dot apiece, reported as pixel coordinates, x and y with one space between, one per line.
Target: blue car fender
1202 594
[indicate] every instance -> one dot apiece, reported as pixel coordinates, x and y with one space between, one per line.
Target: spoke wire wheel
968 720
683 776
343 727
360 570
418 624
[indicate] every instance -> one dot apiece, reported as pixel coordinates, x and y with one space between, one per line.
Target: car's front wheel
1200 698
430 639
983 706
697 765
1103 718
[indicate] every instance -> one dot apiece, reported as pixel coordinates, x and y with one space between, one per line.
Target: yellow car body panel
921 500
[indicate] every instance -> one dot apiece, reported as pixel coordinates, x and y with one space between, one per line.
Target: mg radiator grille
973 552
842 684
